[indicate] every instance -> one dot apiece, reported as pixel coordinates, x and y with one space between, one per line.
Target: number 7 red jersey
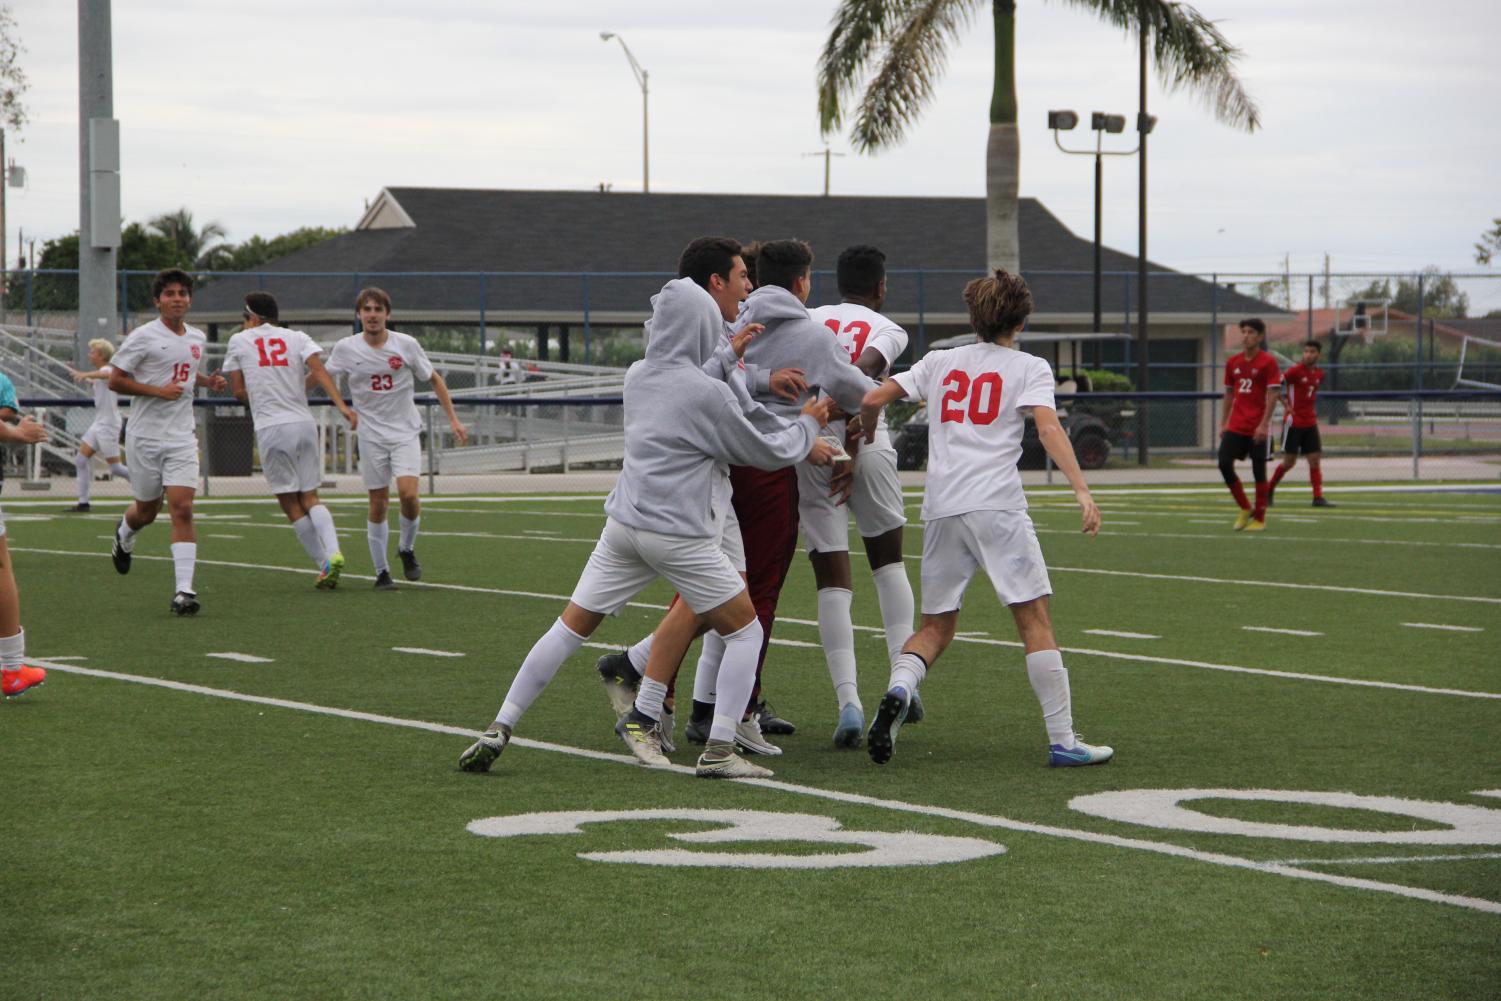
1248 379
1301 384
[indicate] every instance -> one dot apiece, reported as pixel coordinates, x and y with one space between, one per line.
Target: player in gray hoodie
665 516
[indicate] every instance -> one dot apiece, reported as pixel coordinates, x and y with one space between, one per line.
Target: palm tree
907 40
200 248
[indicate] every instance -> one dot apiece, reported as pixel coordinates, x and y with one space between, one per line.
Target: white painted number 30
741 826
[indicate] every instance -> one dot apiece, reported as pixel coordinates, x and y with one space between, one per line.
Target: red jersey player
1300 390
1251 383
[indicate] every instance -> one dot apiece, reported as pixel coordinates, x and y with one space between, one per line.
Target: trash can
231 442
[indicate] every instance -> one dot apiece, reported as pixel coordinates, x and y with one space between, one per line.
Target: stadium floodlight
1100 121
1062 121
641 79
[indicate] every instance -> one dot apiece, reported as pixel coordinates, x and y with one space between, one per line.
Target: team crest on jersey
394 362
196 352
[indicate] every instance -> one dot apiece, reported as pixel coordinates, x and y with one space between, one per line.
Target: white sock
12 651
378 534
184 555
323 521
737 678
651 697
838 637
119 469
706 675
307 534
907 672
1050 681
537 670
84 465
637 654
408 540
894 592
126 535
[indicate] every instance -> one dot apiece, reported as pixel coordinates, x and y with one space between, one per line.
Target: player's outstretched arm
1050 432
440 389
97 373
318 375
875 401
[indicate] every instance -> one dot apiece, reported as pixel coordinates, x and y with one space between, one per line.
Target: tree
1490 243
1442 296
140 250
197 247
13 82
907 41
257 250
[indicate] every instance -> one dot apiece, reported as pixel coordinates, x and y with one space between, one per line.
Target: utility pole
1143 127
826 153
99 177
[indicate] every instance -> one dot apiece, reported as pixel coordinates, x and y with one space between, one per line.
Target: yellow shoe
1256 525
1242 520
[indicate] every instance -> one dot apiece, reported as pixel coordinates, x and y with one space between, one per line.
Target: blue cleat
1080 754
851 726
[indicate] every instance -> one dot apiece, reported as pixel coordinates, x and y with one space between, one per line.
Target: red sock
1239 493
1262 489
1277 476
1316 477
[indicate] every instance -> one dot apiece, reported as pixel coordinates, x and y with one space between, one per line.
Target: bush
1101 381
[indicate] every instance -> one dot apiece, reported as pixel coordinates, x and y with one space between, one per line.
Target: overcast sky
1381 143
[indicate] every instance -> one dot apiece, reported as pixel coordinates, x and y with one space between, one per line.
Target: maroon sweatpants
766 504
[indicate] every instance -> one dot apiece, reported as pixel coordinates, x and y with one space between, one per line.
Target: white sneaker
732 766
750 738
644 737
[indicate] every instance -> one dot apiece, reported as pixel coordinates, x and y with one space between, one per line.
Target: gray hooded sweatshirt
793 339
683 427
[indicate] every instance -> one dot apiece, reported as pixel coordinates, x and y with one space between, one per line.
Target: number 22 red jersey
1249 379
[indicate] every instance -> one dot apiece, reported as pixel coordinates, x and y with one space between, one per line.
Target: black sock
703 712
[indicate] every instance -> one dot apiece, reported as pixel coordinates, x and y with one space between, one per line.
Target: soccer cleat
915 712
1257 525
669 724
410 568
480 755
643 735
697 730
889 719
620 680
851 727
1322 502
82 507
770 721
383 582
120 555
721 762
749 736
22 678
185 603
1080 754
328 577
1243 519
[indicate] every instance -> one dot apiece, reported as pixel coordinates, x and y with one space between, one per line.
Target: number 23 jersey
978 398
381 381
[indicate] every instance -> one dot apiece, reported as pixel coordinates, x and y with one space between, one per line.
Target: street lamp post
1062 121
641 79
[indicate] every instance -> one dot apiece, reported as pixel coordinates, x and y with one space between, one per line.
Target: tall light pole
1144 123
1062 121
99 187
641 78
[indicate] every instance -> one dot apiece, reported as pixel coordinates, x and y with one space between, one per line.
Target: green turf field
297 827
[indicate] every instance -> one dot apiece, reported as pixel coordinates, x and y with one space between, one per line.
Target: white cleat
730 766
749 737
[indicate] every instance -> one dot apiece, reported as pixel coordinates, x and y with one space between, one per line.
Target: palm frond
858 27
1189 52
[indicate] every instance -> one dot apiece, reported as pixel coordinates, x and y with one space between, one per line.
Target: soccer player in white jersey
158 365
975 513
103 436
270 367
15 676
872 489
383 366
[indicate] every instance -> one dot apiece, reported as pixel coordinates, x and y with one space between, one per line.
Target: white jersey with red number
381 383
858 327
273 362
978 397
153 354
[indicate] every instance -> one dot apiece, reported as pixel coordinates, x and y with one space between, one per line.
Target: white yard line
65 658
213 536
1122 635
241 658
1436 625
426 652
1390 860
1284 632
856 799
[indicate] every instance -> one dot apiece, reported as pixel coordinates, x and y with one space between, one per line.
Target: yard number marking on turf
1436 625
241 658
1122 635
426 652
1284 632
886 849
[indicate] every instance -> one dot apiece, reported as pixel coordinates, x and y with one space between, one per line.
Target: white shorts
627 559
289 457
731 541
156 465
876 501
382 462
104 439
1002 543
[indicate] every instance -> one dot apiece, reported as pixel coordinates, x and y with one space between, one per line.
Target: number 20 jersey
154 355
978 397
381 383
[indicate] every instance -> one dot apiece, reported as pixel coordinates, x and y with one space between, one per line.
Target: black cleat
410 568
771 722
1322 502
185 603
620 679
889 719
120 555
383 582
82 507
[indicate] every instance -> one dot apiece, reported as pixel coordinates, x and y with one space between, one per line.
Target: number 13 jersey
381 383
978 399
858 327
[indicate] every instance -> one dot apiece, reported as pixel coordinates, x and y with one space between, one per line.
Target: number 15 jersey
381 383
978 399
